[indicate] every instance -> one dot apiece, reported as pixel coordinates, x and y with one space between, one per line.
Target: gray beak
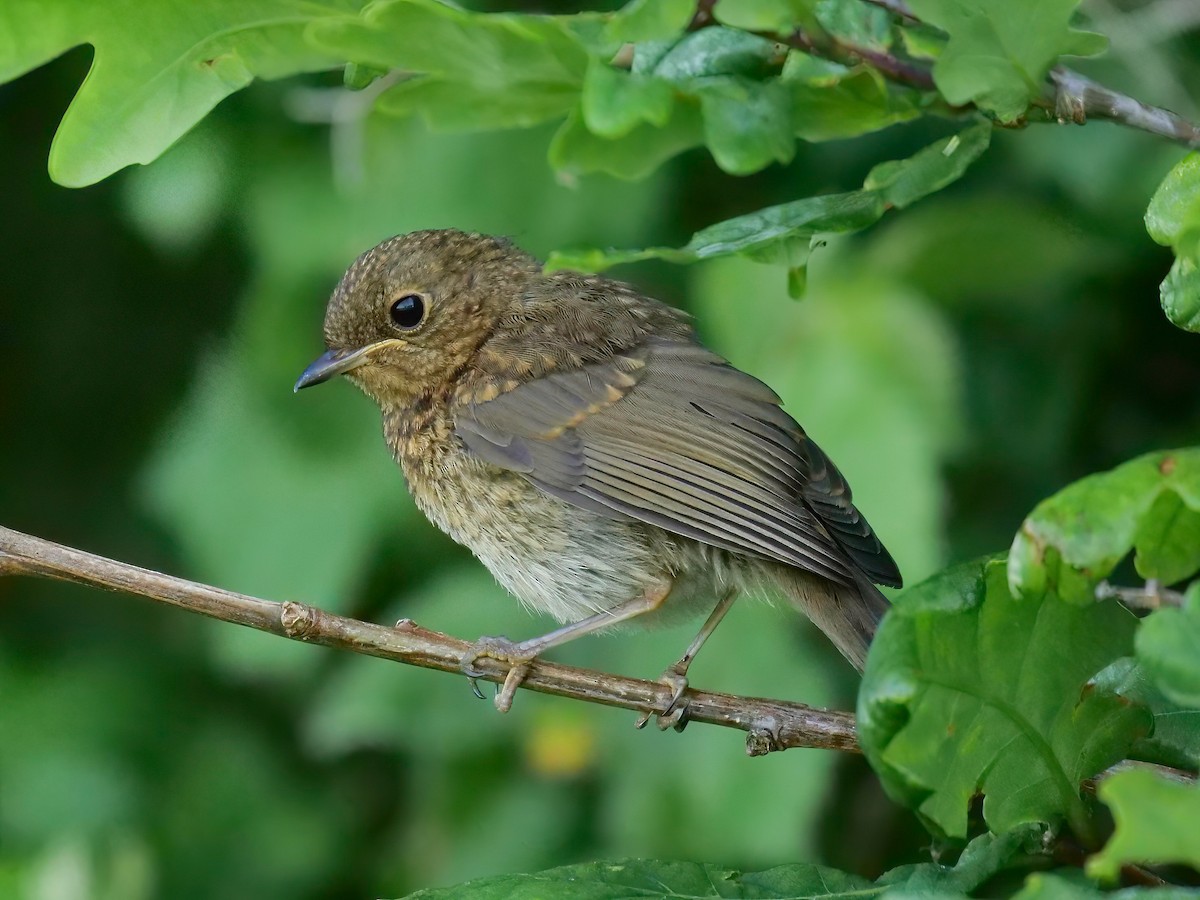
327 365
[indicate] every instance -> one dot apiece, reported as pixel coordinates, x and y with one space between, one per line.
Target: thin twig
1073 97
1151 596
1069 96
770 724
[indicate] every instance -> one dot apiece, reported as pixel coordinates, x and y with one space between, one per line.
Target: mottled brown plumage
580 441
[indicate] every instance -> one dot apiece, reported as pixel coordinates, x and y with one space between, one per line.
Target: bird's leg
520 655
675 675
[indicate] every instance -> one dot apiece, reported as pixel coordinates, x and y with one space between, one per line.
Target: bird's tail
848 614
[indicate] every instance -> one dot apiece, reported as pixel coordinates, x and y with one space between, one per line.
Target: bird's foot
675 713
502 649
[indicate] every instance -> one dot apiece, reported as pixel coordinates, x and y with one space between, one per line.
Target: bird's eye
408 312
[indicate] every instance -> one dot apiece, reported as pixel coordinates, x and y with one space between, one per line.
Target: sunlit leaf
1073 540
1166 647
1156 823
474 71
649 20
158 69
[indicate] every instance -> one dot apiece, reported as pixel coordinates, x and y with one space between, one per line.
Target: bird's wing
672 435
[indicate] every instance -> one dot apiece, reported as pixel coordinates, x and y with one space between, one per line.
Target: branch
1068 97
770 725
1152 596
1076 98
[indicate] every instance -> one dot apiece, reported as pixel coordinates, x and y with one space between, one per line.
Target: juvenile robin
601 462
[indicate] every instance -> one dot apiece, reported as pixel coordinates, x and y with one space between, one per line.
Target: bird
596 457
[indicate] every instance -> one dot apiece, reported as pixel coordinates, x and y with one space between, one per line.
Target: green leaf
477 71
158 67
357 77
615 101
766 15
998 54
1071 885
747 123
856 23
968 690
1180 294
902 182
1155 823
1073 540
716 51
622 879
1175 739
775 228
649 20
1173 216
635 155
782 234
455 106
1166 647
828 105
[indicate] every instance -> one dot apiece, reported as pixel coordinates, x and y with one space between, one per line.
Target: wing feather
672 435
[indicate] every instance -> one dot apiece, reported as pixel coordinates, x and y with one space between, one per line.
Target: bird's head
412 311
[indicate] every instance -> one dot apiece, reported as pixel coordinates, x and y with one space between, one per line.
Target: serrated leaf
968 690
1166 647
1155 823
998 54
1073 540
476 70
616 101
902 182
159 67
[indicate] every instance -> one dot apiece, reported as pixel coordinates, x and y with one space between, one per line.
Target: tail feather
848 614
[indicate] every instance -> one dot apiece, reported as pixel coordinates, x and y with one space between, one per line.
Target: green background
960 361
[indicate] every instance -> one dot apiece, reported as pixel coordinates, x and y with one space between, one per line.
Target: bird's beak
327 365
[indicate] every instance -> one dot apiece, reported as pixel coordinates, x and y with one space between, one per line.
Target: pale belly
555 558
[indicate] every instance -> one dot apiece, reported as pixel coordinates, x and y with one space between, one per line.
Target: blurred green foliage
961 360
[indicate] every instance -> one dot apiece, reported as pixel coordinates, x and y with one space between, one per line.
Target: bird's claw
502 649
675 713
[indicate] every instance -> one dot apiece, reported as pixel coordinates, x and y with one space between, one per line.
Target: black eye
408 311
